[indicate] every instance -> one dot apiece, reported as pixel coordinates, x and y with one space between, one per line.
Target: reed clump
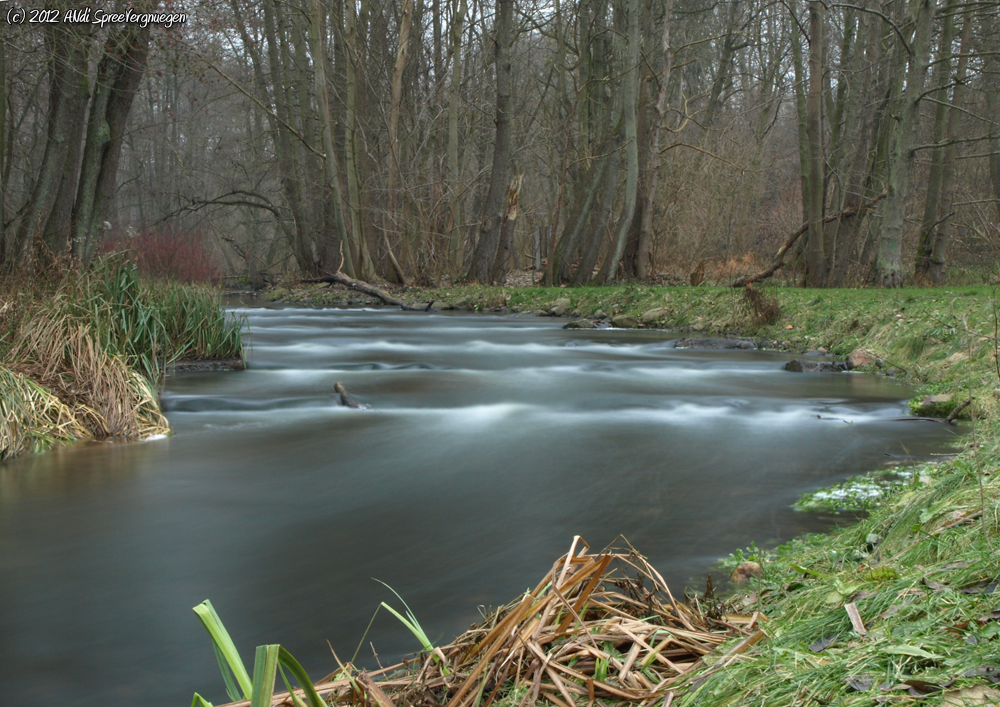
32 418
98 342
599 628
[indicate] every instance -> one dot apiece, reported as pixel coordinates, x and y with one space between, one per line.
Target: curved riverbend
490 442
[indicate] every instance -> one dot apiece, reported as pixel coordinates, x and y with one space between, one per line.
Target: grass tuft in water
98 342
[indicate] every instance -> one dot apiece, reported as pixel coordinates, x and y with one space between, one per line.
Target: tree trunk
459 9
559 270
889 262
283 146
505 248
118 78
815 200
392 183
489 234
802 116
316 36
646 227
932 249
69 46
359 245
992 89
631 96
585 271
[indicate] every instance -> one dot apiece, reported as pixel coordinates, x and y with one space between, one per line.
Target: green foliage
269 660
411 623
97 342
921 573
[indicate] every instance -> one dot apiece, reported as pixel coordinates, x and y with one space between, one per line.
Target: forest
427 142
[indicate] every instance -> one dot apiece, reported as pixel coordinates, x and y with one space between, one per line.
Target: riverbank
82 356
902 605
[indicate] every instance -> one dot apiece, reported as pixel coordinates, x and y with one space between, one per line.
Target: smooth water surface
490 442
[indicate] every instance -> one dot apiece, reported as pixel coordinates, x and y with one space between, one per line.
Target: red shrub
167 254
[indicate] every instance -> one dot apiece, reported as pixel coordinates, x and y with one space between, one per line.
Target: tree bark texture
489 234
609 271
889 262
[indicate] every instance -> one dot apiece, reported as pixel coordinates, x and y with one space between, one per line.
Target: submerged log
364 287
346 399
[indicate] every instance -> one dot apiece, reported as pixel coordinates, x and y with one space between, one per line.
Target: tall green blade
232 689
265 665
225 648
312 697
199 701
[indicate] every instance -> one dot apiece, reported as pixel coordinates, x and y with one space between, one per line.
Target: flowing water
490 442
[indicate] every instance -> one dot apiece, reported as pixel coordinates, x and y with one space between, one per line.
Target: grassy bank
83 356
900 607
921 570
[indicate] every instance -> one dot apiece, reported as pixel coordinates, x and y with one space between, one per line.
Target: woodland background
427 141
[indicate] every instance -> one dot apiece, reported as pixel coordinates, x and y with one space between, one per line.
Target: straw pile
599 628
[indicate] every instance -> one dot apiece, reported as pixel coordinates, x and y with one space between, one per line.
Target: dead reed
97 342
599 627
31 417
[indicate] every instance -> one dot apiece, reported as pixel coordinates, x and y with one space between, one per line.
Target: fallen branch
364 287
958 411
779 259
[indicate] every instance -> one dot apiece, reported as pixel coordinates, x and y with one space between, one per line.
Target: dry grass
97 341
762 305
110 399
598 629
32 418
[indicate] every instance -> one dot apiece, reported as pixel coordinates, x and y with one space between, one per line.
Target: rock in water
624 321
859 357
714 344
579 324
560 307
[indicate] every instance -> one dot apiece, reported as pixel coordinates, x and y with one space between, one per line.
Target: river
490 442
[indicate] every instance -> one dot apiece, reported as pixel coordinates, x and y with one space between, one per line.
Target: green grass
919 570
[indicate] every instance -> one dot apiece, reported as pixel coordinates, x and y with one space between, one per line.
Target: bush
167 254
